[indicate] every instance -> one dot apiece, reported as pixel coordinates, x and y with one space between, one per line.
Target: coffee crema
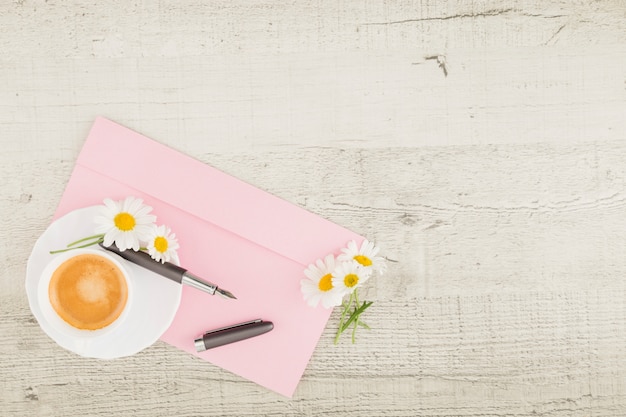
89 292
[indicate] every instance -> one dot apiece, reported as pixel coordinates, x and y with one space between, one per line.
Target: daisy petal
108 240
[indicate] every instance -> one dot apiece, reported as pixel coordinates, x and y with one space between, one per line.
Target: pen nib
225 294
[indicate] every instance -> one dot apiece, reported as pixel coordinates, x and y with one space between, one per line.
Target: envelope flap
247 211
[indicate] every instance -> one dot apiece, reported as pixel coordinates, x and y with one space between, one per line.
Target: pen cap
229 335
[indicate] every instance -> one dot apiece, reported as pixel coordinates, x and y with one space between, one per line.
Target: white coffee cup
90 289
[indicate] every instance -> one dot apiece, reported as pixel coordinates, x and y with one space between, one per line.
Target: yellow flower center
326 283
160 244
363 260
124 221
351 280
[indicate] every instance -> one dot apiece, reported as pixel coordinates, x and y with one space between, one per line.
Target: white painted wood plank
85 28
342 100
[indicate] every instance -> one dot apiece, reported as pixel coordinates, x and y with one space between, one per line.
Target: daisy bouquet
329 281
129 225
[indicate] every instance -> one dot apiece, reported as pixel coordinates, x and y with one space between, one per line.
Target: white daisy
319 285
349 275
366 256
162 245
125 222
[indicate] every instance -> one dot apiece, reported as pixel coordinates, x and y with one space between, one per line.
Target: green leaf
356 313
364 325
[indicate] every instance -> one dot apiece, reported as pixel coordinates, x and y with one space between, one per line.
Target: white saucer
154 305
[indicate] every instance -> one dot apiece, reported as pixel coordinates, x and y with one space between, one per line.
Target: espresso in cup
88 291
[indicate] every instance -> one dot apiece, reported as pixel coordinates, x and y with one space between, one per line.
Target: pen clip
234 326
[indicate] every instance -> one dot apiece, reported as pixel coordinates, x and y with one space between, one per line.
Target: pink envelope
230 233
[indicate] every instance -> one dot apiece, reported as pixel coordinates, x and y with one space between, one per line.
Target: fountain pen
169 270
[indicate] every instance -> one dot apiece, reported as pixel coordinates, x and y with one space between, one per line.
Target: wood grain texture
481 144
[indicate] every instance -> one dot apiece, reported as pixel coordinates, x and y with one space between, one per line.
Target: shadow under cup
85 293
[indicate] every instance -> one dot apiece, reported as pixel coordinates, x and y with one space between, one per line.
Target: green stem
356 319
94 237
52 252
346 307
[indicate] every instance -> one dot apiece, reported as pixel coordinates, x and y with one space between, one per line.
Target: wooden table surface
481 144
